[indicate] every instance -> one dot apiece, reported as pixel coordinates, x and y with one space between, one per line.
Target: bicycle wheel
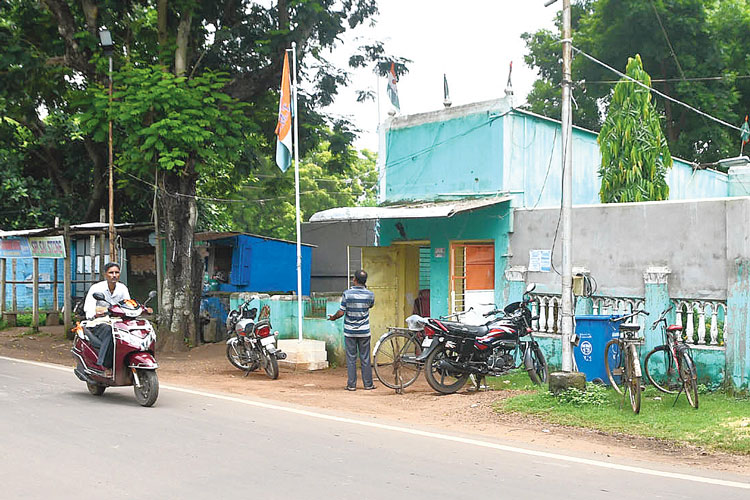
394 360
661 371
537 374
613 364
633 381
689 376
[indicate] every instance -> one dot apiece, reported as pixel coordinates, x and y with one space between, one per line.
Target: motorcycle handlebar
627 316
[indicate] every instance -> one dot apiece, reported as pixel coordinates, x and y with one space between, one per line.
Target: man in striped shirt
355 307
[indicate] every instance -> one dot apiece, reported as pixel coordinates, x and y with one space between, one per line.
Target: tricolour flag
284 125
392 90
745 132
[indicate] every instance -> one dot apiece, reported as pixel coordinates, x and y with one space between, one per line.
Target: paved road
57 441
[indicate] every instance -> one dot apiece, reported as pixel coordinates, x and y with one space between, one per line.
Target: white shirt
89 306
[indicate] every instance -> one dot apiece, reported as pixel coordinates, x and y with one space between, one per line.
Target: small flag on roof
745 132
392 90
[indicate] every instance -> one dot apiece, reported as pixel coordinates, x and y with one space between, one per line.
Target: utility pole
567 190
105 39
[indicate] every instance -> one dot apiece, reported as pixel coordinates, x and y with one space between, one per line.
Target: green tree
195 106
680 42
268 201
635 155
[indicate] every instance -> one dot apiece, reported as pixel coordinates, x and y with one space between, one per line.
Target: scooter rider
114 292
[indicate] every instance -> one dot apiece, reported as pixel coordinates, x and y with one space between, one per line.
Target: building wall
329 256
24 292
444 153
618 242
491 223
485 148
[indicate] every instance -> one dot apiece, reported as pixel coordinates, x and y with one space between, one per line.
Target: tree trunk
178 326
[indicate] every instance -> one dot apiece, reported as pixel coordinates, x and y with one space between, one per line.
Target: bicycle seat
674 328
630 327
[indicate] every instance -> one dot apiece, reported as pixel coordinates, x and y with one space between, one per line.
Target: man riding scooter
96 311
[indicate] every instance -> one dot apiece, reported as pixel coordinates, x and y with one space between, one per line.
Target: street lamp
105 39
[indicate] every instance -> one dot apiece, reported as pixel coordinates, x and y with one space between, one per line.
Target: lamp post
105 39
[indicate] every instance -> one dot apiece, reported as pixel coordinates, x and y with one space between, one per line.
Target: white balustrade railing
548 308
703 320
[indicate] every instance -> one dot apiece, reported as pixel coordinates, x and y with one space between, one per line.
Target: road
58 441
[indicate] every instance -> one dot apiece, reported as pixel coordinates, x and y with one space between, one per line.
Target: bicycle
676 369
395 352
621 360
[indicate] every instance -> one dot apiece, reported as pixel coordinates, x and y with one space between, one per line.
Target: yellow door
382 267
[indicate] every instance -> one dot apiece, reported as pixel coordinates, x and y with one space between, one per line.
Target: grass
722 422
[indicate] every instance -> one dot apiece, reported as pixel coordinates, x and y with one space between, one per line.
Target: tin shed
244 262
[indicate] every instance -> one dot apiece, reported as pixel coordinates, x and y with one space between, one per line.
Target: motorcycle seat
466 330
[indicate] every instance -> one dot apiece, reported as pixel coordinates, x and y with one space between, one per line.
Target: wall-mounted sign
540 261
439 252
43 247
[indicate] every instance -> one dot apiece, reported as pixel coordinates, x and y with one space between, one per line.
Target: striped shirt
356 303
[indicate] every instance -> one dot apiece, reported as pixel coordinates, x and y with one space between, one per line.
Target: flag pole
295 143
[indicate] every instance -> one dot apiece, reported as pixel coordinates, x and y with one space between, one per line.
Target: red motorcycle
133 351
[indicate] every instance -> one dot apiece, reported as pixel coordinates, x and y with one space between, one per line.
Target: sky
471 41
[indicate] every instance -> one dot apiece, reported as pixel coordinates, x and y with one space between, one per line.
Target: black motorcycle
458 350
251 343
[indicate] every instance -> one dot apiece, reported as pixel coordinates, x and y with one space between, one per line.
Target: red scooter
133 351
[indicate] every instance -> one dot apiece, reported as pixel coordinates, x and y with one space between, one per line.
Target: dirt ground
467 412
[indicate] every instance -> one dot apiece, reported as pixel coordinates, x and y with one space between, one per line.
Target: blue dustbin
594 331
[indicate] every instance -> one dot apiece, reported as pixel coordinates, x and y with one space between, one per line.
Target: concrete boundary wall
618 242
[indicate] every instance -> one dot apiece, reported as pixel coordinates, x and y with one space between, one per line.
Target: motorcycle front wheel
148 391
270 364
440 376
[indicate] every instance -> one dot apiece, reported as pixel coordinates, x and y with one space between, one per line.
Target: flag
446 93
284 126
745 132
392 90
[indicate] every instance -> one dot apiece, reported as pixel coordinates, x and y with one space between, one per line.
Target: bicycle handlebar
662 316
636 313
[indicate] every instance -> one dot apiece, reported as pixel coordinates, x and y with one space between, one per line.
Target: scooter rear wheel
96 389
148 391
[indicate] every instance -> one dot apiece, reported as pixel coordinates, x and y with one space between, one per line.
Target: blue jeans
352 345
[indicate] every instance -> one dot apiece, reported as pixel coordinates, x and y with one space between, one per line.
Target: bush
594 395
27 318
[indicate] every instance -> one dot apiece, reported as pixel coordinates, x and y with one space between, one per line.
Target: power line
666 37
667 80
662 94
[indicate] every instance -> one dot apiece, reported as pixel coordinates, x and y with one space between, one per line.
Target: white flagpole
296 194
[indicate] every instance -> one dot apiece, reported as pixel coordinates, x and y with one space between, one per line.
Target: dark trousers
355 346
104 333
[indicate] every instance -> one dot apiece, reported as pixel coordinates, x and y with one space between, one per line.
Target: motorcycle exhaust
280 355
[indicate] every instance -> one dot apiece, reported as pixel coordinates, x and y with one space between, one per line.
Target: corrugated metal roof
77 228
408 211
218 235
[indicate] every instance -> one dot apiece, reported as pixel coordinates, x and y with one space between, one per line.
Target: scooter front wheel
148 391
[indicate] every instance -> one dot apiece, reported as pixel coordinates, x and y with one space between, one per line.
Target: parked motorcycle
252 344
457 351
133 351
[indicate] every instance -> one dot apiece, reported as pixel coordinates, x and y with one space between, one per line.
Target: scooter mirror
98 296
531 287
152 294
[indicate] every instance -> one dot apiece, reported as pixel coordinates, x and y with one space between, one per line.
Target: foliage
54 111
720 424
698 40
594 394
268 206
635 156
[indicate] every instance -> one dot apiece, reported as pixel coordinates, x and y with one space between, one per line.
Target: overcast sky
471 41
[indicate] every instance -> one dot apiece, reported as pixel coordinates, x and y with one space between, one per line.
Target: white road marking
435 435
